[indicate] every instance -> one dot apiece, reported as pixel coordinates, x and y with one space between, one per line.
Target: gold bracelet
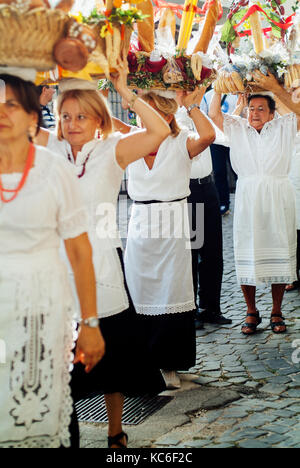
132 100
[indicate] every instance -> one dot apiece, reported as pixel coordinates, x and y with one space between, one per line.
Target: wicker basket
28 39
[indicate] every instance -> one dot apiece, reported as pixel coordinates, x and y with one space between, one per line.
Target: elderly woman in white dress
100 164
158 262
39 206
264 218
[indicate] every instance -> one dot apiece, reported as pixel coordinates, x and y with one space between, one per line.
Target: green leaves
228 31
118 15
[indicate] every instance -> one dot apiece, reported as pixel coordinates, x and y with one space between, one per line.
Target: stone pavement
247 390
264 369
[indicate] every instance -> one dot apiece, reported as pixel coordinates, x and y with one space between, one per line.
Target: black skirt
126 366
171 339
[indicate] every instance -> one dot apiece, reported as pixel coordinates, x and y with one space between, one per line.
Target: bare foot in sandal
251 323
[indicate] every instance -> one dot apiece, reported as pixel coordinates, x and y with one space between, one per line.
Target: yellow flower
78 17
117 3
104 31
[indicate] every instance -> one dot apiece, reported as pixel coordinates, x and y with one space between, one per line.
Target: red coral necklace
28 166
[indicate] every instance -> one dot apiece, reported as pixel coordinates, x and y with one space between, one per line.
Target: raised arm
139 144
241 105
270 83
191 101
120 126
215 111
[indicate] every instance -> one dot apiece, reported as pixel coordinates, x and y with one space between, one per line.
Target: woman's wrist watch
92 322
191 107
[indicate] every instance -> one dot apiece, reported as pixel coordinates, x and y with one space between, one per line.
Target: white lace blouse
28 227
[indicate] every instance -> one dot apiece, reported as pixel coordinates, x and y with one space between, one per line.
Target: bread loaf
256 32
168 20
65 5
71 54
238 81
29 5
211 19
146 27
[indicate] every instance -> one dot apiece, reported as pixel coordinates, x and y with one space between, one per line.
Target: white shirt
170 175
228 105
202 165
266 153
27 227
100 186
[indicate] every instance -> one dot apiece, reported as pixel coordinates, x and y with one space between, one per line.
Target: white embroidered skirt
37 338
265 231
158 264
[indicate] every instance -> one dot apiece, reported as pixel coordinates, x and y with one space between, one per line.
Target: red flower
205 73
132 62
155 67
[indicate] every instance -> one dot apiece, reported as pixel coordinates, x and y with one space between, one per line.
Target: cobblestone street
260 368
247 390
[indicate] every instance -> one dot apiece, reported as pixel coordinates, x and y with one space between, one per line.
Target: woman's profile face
14 120
78 127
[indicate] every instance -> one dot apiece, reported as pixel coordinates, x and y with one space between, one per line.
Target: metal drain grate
136 410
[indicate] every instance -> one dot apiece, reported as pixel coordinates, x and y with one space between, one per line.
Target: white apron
158 262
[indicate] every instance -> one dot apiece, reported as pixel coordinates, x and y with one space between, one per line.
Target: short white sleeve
72 216
231 123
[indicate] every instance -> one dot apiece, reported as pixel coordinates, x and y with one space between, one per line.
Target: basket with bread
34 35
165 65
267 42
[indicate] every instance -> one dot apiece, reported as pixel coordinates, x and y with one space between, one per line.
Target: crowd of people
61 254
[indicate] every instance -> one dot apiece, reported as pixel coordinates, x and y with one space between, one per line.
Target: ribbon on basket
180 8
285 25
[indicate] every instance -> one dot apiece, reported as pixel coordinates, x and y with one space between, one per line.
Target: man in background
220 153
46 95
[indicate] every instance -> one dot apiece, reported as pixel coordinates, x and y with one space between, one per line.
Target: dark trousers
220 160
207 261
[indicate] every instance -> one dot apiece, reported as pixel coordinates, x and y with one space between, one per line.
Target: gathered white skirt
37 336
158 264
265 230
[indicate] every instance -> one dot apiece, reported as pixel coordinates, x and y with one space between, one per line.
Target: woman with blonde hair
99 164
158 262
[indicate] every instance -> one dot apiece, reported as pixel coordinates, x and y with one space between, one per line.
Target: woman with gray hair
264 218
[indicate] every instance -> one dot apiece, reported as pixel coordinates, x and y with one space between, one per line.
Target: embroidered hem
266 281
144 309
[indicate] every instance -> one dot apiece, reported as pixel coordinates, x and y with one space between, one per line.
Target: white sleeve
72 218
231 124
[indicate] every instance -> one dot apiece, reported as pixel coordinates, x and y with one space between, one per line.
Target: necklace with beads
83 166
15 192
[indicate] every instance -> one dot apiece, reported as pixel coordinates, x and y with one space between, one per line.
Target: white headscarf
27 74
